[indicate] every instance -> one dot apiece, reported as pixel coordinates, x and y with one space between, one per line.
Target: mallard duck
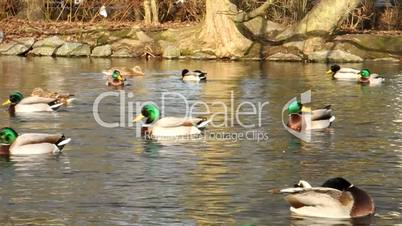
367 78
61 98
336 198
31 143
126 72
19 104
320 118
168 126
343 73
196 75
116 79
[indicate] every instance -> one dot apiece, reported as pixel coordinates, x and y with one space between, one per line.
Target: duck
30 143
196 75
124 71
116 79
18 104
335 198
343 73
320 118
367 78
155 126
65 98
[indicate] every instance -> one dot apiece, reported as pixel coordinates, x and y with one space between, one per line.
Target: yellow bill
306 109
7 102
329 72
138 118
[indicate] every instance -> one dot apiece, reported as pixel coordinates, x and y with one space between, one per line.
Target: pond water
109 176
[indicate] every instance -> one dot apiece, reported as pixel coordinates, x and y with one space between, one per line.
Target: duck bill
138 118
306 109
328 72
120 78
7 102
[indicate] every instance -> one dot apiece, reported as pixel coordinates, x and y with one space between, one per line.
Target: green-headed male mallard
343 73
320 118
336 198
168 126
30 143
18 104
116 79
196 75
367 78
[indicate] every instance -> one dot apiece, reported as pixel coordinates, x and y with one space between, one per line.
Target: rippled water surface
108 176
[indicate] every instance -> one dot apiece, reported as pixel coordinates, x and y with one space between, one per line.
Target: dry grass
365 17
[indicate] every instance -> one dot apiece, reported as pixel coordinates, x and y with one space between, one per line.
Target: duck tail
203 123
331 120
56 106
328 107
62 142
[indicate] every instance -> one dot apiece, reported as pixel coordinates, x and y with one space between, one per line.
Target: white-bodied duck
336 198
30 143
343 73
320 118
195 76
372 79
169 126
18 104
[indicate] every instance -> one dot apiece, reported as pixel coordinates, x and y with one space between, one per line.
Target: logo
305 116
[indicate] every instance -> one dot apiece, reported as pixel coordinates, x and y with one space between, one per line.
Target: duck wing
37 100
349 70
322 114
176 122
321 202
36 138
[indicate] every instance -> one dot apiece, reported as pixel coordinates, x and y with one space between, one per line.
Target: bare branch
260 11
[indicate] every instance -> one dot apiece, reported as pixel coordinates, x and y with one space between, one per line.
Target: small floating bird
61 98
126 72
320 118
343 73
18 104
168 126
196 75
336 198
116 79
367 78
31 143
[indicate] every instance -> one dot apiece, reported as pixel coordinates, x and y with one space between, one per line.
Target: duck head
184 72
333 69
295 107
150 112
364 73
338 183
14 98
117 75
8 135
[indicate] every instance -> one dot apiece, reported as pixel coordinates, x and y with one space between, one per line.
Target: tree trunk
321 20
32 10
155 12
219 33
147 12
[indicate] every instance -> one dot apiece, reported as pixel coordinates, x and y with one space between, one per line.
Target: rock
122 53
284 57
17 47
203 56
102 51
74 49
47 46
143 37
171 52
127 48
333 56
390 59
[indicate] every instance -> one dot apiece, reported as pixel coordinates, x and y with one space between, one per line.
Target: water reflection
111 177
